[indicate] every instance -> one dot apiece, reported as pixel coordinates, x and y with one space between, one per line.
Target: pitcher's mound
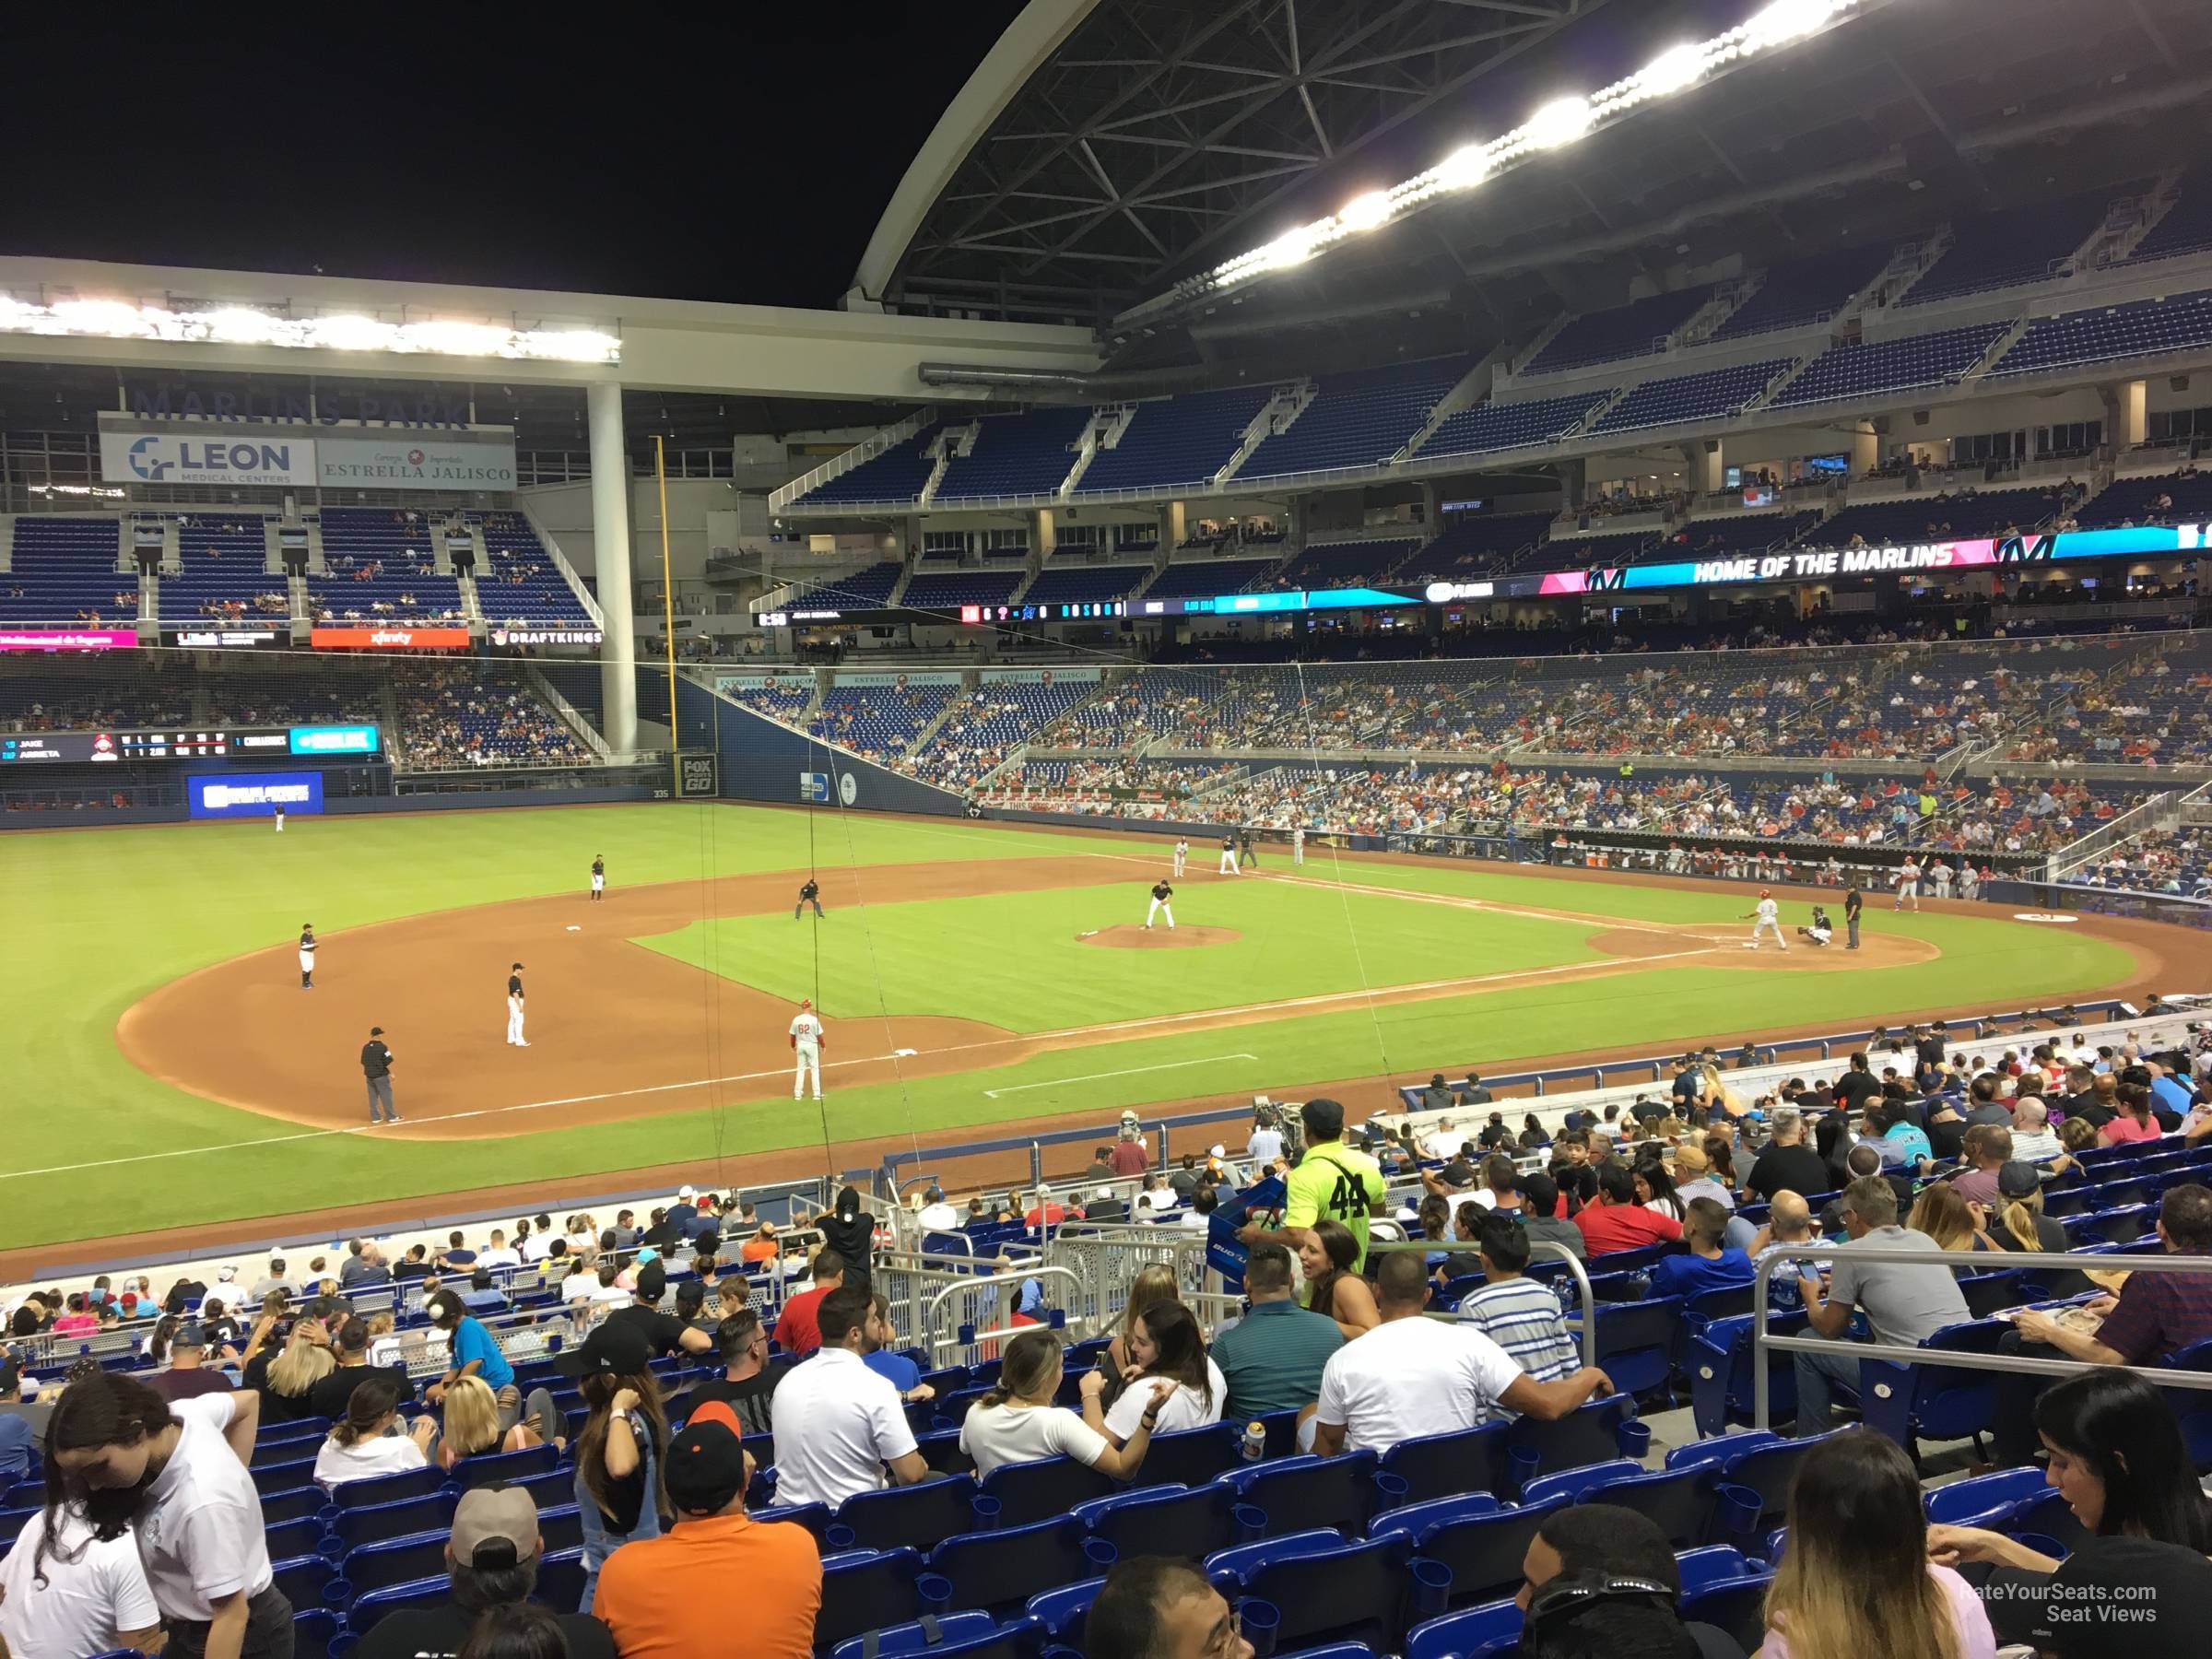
1160 937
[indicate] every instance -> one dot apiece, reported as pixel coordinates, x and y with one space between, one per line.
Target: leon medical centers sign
152 449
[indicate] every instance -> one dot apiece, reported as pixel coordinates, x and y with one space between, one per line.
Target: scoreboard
187 743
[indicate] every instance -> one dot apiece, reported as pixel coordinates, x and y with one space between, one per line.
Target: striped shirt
1522 1316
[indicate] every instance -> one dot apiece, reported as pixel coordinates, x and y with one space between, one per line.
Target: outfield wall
765 761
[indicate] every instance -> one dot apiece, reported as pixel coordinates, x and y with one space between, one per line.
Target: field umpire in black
809 894
376 1065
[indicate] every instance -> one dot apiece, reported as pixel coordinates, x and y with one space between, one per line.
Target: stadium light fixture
1365 212
90 317
1560 122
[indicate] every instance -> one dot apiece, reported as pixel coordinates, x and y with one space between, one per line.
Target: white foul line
1095 1076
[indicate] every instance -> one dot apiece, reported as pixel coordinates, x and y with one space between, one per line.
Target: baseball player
1769 920
279 812
1821 929
809 894
1970 881
1245 856
1939 877
598 877
1161 893
307 955
1228 853
376 1067
1297 844
1907 883
806 1039
515 1005
1183 853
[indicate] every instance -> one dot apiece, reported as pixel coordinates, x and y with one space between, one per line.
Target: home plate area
1161 936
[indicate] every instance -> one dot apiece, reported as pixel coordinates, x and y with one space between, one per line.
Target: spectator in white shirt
581 1281
498 1255
1443 1141
538 1244
1164 1343
1017 1422
1266 1143
840 1425
1412 1376
175 1475
2032 1141
90 1594
364 1443
1694 1179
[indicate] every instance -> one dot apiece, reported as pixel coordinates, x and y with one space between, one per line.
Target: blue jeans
1817 1376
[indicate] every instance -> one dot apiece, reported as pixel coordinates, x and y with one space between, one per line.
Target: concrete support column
1704 467
610 556
2126 413
1170 528
1043 535
1574 477
1866 449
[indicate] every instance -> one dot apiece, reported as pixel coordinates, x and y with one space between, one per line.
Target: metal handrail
978 1282
1575 1265
1763 1340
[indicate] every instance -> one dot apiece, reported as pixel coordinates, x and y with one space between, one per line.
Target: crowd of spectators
455 715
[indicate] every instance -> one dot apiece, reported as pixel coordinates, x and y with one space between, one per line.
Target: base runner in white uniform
1908 884
806 1039
1769 920
307 955
1161 893
1183 852
515 1005
1228 854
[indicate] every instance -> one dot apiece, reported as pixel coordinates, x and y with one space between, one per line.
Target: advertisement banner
67 638
794 679
919 677
224 639
204 455
814 788
333 740
1036 676
253 795
548 636
696 777
389 638
404 460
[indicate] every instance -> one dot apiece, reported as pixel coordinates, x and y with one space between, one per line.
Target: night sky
737 153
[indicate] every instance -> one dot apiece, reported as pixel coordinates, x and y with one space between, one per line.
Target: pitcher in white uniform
515 1005
1769 920
806 1045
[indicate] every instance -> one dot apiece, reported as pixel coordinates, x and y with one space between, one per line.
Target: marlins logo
1602 582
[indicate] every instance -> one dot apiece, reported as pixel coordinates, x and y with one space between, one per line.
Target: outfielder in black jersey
307 955
809 894
598 877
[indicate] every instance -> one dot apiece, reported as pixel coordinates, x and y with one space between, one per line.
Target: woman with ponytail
1017 1421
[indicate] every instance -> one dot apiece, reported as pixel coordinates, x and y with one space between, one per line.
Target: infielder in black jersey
514 1007
1161 893
598 877
307 955
1228 853
809 894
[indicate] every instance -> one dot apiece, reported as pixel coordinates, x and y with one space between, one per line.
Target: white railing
837 467
547 540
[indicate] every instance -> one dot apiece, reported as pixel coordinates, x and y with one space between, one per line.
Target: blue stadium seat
383 1489
1049 1486
1493 1627
1982 1499
1593 1432
915 1515
951 1636
1736 1606
286 1506
1003 1568
314 1633
1296 1493
394 1562
366 1608
1437 1465
1482 1550
1719 1367
865 1590
1192 1456
364 1523
1635 1342
1927 1401
1356 1592
1187 1521
1061 1611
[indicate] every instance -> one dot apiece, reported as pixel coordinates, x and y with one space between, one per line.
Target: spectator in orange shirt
713 1541
761 1246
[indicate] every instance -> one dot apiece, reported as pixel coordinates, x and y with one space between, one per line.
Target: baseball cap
805 1002
705 1467
1217 1151
615 1348
189 1335
503 1517
2166 1585
2017 1179
686 1193
1103 1193
1691 1160
1763 893
653 1282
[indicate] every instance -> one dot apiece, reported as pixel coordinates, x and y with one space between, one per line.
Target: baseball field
166 1070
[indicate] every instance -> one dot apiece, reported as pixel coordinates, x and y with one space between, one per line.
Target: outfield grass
97 919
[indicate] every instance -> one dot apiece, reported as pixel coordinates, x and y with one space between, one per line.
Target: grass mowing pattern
97 919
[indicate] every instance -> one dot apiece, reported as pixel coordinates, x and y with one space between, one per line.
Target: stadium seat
1494 1627
1356 1592
383 1489
1049 1486
1192 1456
1061 1611
1437 1465
1926 1400
1593 1432
1635 1342
394 1562
1001 1570
364 1523
1982 1499
949 1636
1481 1547
1187 1521
1682 1502
1736 1606
1298 1493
